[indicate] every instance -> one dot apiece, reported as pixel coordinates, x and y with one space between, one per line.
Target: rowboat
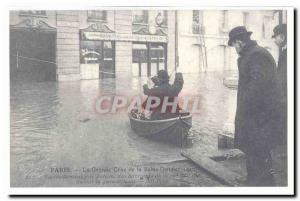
173 130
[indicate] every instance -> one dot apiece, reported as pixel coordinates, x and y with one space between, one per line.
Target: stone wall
123 55
171 41
67 46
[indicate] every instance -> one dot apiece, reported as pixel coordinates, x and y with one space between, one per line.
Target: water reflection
55 124
32 127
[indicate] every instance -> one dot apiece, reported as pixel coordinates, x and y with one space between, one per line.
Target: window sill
96 20
32 15
140 24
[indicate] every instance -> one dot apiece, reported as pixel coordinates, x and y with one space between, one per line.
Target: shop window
139 53
107 45
97 15
148 58
198 27
90 52
157 52
140 17
41 13
108 52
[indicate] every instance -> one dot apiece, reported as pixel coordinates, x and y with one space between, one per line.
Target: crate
225 141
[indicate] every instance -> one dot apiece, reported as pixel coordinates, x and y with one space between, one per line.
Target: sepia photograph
151 97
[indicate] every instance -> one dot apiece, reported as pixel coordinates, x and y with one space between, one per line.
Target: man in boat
141 115
155 81
162 91
257 114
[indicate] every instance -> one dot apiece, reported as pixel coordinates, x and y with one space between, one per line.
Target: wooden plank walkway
227 154
214 168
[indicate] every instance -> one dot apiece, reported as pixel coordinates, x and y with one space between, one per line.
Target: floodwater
56 125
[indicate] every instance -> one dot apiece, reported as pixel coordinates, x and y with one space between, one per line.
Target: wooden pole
17 59
280 17
157 62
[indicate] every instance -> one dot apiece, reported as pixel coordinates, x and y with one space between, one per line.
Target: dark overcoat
258 102
282 80
282 73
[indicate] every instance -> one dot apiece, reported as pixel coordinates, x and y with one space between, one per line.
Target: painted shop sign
124 37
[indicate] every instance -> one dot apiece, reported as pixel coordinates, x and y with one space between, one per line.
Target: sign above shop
123 37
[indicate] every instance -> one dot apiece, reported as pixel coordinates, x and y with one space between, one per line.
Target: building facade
204 33
74 45
95 44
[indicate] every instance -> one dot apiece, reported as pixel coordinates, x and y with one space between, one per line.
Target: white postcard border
155 190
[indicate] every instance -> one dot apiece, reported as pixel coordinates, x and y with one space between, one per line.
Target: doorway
148 59
32 55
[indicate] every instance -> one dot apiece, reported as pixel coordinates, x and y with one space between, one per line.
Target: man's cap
163 75
155 80
236 32
279 29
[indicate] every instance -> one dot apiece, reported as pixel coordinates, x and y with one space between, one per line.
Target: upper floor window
97 15
161 18
224 22
246 18
140 17
267 27
198 22
33 12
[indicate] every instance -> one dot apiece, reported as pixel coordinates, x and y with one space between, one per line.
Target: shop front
97 59
98 54
32 51
148 58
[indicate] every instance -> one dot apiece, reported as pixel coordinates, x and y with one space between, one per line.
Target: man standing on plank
257 114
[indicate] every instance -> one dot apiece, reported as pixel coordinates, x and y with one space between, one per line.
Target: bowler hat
279 29
237 32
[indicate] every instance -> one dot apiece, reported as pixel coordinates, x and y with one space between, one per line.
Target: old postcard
172 98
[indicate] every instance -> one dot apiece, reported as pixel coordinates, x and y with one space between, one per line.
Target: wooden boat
173 130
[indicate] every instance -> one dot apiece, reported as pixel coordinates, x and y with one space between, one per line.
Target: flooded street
56 125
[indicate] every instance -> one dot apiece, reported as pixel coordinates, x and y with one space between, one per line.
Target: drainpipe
176 41
280 17
280 23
